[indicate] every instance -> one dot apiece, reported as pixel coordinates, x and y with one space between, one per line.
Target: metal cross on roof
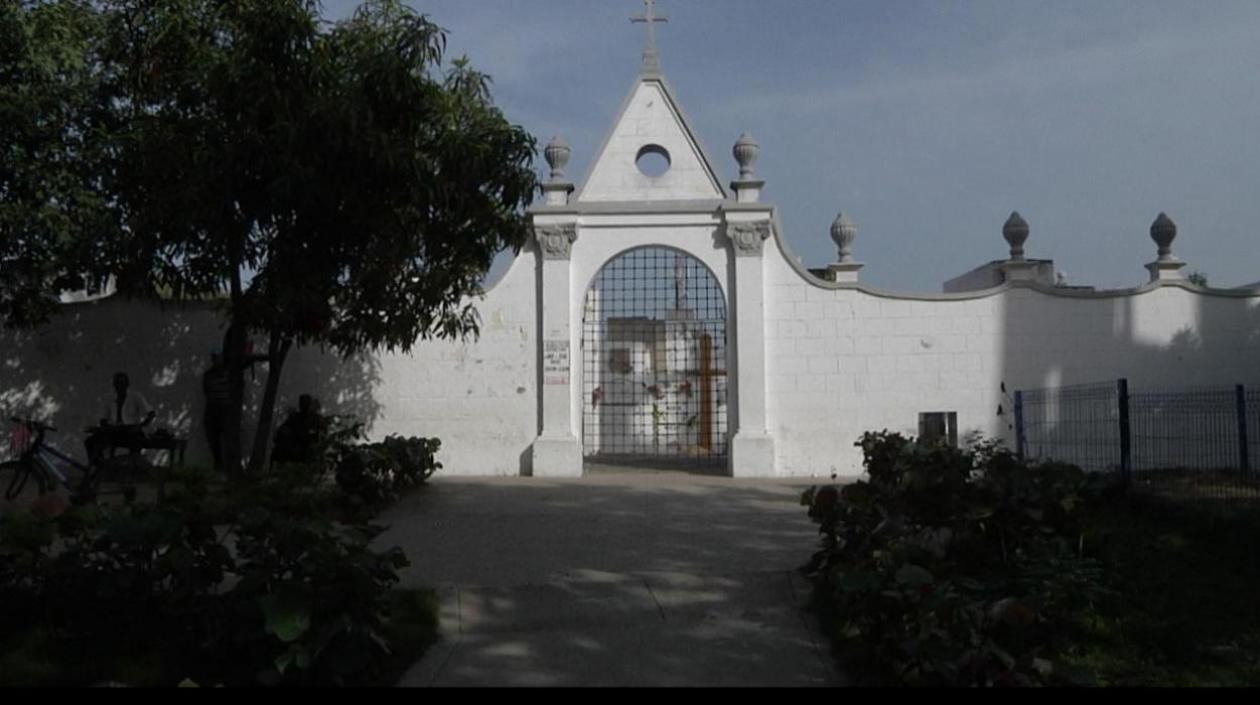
651 57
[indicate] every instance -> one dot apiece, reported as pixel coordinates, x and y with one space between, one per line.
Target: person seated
122 424
298 438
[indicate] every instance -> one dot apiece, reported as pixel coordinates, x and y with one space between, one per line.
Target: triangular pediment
651 120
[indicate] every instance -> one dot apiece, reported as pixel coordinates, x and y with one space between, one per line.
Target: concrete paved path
613 580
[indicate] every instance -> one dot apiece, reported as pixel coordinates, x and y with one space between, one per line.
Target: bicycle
40 461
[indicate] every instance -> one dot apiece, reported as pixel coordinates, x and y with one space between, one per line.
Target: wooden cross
651 57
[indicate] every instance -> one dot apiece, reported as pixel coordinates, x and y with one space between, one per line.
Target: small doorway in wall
654 379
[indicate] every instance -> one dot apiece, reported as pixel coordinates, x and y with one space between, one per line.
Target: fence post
1244 461
1020 440
1126 449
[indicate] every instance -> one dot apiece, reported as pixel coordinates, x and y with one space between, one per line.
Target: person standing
216 386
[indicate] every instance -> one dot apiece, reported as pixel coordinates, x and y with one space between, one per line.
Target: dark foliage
952 567
216 592
374 476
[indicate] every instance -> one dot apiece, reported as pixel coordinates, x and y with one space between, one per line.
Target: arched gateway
651 292
654 378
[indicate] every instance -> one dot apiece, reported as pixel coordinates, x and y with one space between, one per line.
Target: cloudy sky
928 121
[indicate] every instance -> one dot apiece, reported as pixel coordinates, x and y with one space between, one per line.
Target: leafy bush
374 476
954 567
367 477
222 594
320 596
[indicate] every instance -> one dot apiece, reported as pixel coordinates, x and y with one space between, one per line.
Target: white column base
752 456
557 457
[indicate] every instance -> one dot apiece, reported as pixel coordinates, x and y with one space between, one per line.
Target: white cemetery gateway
658 319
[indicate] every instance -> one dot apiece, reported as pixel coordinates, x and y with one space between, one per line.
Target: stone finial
1163 232
557 189
557 154
746 152
747 187
1166 267
1016 234
844 232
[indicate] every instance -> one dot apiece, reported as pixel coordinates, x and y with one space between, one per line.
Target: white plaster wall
844 361
839 361
480 398
62 373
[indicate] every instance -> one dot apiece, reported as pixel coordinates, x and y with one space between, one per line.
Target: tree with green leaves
337 185
330 184
55 118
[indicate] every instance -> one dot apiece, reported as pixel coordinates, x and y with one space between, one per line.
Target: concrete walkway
613 580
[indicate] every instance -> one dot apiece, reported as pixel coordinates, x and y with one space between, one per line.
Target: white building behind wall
810 362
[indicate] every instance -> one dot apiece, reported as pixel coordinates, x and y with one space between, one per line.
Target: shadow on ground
613 580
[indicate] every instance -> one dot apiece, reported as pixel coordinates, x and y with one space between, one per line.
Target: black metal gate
654 363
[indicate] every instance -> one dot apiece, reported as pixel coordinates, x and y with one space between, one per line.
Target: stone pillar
752 447
557 451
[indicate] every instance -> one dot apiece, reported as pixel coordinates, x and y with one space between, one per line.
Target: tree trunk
233 358
277 352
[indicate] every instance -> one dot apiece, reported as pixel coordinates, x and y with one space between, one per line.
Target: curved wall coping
526 250
788 256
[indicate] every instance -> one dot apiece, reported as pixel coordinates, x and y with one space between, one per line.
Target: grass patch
1185 613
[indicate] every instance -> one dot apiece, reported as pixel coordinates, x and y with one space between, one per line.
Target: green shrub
348 478
310 603
219 592
374 476
954 567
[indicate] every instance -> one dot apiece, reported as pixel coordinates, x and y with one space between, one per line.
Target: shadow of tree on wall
345 387
62 373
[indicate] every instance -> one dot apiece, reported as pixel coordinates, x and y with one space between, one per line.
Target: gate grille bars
654 363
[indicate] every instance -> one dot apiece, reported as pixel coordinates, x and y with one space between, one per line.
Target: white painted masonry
650 118
813 363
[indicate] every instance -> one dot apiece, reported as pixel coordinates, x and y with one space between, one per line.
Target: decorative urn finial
844 231
1163 232
1016 234
746 152
557 154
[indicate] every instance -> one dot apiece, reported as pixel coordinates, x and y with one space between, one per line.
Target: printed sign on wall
555 362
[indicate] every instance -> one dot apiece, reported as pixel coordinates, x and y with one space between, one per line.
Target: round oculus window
653 160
